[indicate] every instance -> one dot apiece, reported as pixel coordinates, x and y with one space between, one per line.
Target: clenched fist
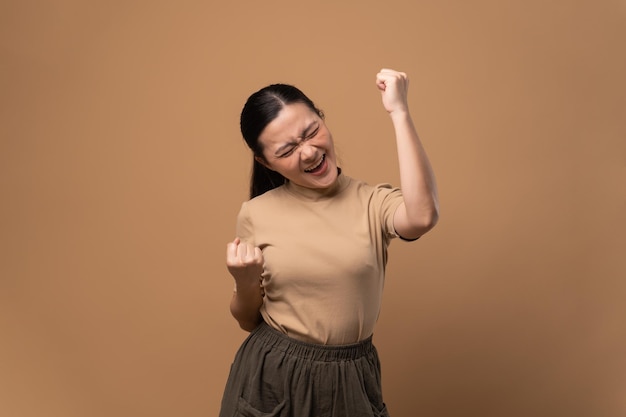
394 87
245 263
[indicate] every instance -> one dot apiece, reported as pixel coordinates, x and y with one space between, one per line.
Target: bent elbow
412 224
428 223
421 225
247 321
432 219
248 326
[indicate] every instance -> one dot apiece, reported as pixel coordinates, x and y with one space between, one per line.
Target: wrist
249 286
399 115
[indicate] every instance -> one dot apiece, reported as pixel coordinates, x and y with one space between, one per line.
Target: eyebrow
304 134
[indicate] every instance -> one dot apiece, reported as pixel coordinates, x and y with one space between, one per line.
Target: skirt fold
277 376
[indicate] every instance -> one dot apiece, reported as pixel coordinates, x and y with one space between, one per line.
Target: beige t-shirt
325 255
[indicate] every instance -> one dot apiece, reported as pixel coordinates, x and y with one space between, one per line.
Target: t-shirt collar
315 194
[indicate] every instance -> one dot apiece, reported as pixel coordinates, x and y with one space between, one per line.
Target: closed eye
306 135
313 133
289 152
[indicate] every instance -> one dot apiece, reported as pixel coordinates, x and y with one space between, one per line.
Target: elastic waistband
325 353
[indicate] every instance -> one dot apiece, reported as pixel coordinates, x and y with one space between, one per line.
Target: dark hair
260 109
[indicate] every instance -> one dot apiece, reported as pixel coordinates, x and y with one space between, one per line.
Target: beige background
122 170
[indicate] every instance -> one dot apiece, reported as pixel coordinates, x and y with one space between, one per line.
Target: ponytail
263 179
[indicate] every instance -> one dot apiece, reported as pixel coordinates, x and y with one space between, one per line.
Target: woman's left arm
420 210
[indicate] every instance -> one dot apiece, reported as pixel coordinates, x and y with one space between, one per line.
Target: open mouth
317 167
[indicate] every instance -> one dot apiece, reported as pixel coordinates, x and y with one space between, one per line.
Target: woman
310 255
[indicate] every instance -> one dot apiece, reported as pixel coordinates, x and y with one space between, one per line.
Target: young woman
309 258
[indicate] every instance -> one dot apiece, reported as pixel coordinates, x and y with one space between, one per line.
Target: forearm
245 264
417 180
245 305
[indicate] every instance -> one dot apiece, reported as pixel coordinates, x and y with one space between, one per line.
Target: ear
262 161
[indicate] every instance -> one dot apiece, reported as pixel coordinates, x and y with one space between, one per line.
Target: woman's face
298 145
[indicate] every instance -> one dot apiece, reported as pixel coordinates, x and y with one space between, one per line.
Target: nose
308 152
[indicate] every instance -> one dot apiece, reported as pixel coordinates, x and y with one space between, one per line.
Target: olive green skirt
274 375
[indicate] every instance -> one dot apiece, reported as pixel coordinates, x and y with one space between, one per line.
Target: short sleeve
386 200
244 228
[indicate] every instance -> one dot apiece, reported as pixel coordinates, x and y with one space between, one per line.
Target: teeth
319 163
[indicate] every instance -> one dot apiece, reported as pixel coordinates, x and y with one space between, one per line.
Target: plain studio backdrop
122 170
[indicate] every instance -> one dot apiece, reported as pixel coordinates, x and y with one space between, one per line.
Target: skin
298 140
